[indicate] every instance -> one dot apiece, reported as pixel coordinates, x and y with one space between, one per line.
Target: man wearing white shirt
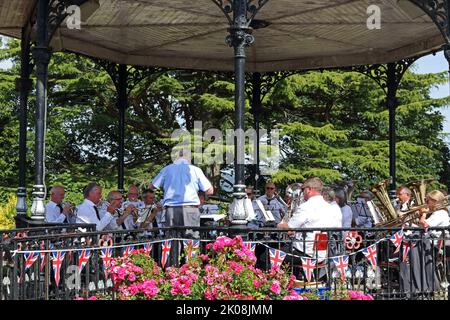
54 210
336 218
314 213
346 211
133 198
87 211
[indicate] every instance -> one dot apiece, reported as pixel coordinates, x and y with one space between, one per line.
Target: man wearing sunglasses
272 203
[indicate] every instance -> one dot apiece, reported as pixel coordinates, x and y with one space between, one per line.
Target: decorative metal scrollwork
379 72
439 12
240 14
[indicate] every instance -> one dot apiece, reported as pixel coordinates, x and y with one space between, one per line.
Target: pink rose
275 287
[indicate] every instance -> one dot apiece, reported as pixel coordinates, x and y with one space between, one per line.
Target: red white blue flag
341 264
250 246
191 248
276 257
167 244
371 255
57 260
407 245
397 239
128 250
148 247
30 258
308 266
42 254
106 255
83 258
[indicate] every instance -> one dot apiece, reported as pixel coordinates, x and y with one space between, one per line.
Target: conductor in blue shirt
181 182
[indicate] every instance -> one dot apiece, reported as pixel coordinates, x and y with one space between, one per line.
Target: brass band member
404 200
436 202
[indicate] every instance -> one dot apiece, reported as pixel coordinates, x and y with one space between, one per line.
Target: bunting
276 257
341 263
371 255
191 247
83 259
308 265
167 244
57 260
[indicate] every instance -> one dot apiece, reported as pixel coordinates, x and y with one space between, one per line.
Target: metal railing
421 273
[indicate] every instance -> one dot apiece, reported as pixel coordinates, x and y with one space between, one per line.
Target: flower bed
225 272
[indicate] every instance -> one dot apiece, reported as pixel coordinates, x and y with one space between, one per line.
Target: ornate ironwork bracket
379 72
135 74
439 12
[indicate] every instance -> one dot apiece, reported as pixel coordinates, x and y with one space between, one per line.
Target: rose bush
225 272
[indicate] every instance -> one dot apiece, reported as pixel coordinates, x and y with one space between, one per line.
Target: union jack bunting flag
167 244
148 247
250 246
42 254
308 266
57 260
397 239
341 264
127 251
30 258
407 245
276 257
106 255
83 258
371 255
191 248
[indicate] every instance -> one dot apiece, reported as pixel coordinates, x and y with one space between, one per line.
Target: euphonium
294 192
387 211
419 190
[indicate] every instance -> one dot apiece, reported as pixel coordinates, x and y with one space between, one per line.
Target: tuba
419 190
387 214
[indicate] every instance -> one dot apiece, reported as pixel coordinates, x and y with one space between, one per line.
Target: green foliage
7 213
334 125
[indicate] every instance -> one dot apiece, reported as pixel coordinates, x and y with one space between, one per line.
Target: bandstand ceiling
301 34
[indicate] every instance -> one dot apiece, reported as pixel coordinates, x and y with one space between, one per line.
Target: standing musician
271 202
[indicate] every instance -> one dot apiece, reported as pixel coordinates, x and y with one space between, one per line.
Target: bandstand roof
301 34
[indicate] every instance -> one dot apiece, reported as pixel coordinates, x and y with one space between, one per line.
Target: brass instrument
388 215
419 190
412 215
295 193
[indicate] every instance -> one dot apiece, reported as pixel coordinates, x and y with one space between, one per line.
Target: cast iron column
256 108
392 85
122 101
41 55
23 86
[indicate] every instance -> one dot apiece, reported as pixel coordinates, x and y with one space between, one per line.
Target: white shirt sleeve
203 182
438 218
52 214
158 181
299 218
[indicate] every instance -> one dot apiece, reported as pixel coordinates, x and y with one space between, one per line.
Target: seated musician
314 213
271 202
329 196
346 211
55 211
404 200
133 198
437 211
123 219
153 209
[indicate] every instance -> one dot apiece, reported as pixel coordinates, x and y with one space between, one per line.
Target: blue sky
433 64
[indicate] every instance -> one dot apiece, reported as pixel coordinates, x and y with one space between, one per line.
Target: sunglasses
269 188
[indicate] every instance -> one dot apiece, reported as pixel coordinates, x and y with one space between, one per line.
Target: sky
433 64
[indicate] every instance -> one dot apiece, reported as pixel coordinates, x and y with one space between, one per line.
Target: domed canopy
289 34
